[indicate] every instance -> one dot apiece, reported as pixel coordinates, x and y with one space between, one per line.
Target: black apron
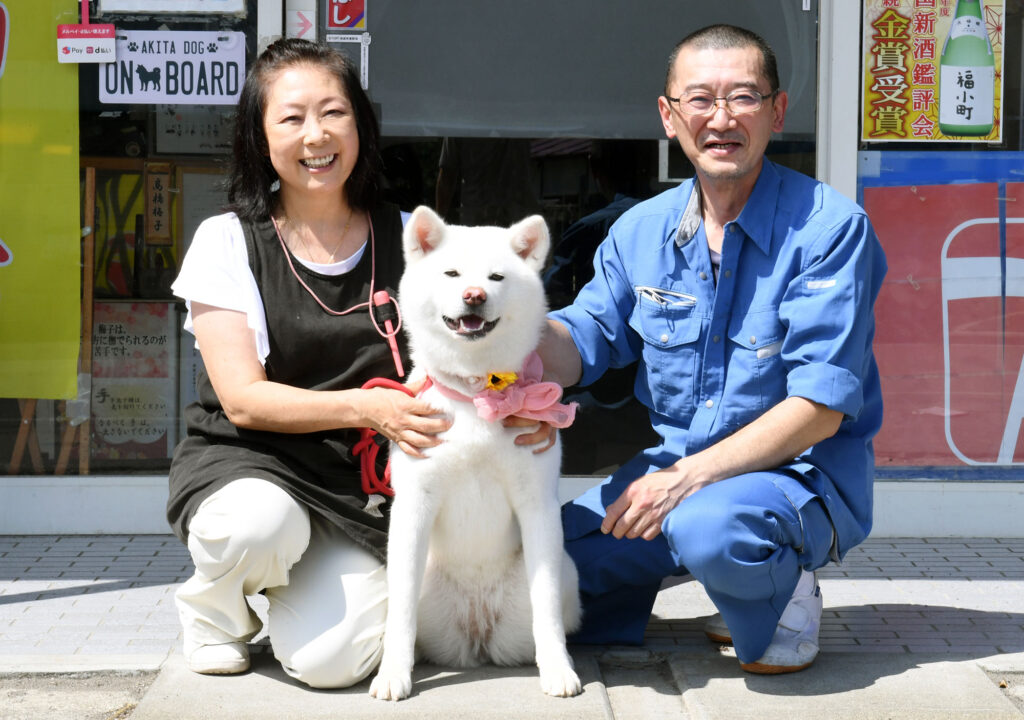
311 349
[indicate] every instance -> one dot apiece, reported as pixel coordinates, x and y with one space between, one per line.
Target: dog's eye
451 273
496 277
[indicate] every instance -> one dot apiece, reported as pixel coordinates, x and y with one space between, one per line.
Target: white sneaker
717 631
223 659
795 644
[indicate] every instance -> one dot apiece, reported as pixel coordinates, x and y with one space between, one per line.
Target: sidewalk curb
59 664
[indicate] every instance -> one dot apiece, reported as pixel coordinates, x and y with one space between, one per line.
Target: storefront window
557 100
139 150
947 202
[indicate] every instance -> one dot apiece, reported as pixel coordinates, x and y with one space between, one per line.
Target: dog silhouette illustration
148 76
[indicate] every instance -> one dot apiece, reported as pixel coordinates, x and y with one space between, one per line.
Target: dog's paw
560 681
391 685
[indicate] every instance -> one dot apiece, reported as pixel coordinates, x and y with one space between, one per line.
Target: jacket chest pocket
756 370
670 330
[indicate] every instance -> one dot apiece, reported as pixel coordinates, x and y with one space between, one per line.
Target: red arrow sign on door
304 24
5 254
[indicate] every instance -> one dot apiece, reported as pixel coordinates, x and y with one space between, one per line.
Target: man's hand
541 433
641 508
778 436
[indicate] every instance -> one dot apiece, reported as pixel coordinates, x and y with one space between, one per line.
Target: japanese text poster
134 386
932 70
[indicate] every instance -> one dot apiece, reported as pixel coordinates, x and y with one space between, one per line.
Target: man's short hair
727 37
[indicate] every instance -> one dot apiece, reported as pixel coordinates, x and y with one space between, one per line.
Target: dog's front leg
412 517
542 550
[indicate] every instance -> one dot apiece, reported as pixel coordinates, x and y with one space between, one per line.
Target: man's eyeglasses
738 102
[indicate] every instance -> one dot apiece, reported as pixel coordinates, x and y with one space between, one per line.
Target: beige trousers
327 596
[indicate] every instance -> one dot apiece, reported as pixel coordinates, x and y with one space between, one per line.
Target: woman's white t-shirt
215 271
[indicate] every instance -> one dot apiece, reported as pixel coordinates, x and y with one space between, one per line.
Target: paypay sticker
85 43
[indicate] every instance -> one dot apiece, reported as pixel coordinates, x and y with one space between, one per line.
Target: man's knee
738 521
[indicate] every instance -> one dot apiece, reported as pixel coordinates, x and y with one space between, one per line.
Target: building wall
581 104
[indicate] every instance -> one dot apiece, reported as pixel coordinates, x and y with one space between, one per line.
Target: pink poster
134 382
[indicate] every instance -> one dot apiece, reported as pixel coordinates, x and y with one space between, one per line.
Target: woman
264 490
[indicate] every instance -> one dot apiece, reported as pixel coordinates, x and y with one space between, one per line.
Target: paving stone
894 596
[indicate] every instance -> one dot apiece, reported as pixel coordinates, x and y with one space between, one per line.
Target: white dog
476 567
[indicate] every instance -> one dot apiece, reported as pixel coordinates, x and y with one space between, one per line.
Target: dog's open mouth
470 326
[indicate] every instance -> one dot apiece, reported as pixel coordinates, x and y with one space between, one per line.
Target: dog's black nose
474 296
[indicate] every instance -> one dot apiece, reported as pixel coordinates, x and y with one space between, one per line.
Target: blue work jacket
791 314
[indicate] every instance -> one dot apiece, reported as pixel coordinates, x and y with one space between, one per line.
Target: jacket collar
756 218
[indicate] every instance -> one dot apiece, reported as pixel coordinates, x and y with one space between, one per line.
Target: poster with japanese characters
134 383
932 71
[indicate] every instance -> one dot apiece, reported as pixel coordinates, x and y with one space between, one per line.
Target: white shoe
717 631
224 659
795 644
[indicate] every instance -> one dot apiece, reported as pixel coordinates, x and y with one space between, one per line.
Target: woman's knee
248 517
327 623
345 651
327 663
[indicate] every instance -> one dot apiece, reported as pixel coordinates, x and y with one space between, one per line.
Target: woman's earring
276 185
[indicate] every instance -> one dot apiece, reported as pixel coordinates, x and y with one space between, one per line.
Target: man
746 297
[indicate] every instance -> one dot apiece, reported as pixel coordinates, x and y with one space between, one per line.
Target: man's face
721 145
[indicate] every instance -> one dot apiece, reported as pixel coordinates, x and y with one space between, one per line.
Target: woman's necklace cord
337 247
376 299
288 258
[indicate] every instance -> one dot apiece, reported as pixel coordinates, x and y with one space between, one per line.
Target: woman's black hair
250 173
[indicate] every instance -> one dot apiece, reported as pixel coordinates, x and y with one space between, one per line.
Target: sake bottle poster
932 70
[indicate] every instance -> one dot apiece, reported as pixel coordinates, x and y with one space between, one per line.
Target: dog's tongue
470 323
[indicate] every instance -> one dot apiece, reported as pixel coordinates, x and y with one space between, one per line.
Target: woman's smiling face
312 138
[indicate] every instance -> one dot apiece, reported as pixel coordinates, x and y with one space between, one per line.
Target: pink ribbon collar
527 397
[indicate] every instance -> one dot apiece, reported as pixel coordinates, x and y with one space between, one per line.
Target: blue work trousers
745 539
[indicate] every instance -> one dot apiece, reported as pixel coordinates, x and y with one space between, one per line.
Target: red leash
368 449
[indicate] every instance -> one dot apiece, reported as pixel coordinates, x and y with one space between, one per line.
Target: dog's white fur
476 535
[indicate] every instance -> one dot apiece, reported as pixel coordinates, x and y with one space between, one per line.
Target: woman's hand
251 401
542 433
409 422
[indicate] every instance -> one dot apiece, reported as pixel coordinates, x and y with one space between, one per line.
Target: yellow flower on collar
498 381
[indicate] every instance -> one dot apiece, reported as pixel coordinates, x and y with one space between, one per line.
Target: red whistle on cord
386 312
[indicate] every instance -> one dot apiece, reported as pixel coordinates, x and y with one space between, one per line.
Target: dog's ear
530 241
422 234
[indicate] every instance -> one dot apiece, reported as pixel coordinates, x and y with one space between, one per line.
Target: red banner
950 339
346 14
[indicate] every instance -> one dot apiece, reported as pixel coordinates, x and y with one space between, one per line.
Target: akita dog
476 568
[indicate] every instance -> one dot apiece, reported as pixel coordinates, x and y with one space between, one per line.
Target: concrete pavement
912 628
